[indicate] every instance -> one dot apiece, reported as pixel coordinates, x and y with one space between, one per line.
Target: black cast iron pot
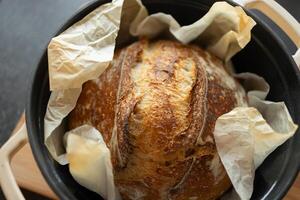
265 55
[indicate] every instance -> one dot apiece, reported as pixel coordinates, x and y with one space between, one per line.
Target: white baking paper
247 135
60 104
83 52
87 152
224 30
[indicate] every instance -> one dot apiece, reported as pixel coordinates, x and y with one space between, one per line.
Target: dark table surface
26 27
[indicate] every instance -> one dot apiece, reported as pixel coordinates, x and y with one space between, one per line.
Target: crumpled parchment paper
87 152
247 135
83 52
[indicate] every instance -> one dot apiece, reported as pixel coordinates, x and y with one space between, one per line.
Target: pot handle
280 16
9 185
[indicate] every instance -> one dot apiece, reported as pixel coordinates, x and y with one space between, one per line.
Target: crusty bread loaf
156 107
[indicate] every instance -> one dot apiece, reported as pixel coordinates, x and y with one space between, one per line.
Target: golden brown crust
97 102
156 107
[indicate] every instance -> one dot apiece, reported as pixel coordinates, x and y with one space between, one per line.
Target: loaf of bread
156 106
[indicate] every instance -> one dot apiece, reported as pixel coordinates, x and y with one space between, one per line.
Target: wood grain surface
29 176
294 192
27 172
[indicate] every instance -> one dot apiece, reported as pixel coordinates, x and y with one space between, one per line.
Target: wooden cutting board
29 176
27 172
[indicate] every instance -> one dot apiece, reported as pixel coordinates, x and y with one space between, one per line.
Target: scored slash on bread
156 106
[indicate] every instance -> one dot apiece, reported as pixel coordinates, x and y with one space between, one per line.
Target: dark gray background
26 27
